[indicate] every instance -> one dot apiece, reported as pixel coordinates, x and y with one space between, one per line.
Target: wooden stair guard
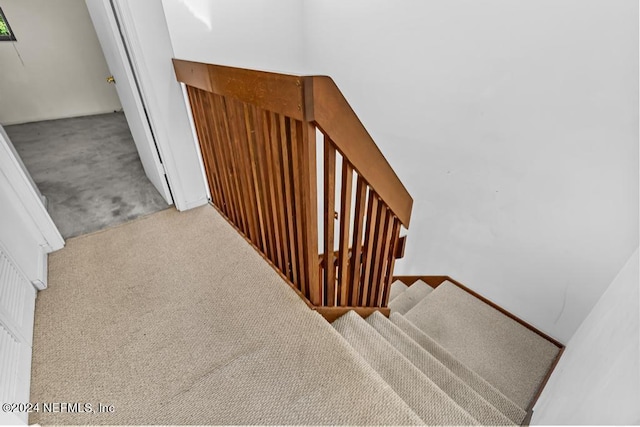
257 135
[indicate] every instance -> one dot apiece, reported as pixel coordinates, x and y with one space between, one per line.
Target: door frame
113 38
163 97
49 238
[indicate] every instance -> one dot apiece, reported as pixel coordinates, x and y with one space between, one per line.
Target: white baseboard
193 204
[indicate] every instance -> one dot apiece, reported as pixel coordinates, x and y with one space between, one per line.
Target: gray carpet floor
89 170
174 319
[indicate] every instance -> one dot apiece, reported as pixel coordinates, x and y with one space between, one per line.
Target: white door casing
106 26
17 304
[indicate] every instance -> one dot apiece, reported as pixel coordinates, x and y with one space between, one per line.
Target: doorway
88 169
89 166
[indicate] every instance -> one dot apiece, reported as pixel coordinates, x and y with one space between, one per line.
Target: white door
107 29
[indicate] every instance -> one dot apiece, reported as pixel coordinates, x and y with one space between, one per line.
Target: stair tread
397 288
452 385
410 297
472 379
426 399
511 357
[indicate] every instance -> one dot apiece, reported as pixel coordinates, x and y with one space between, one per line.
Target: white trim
102 13
154 88
41 282
23 186
137 68
194 204
128 27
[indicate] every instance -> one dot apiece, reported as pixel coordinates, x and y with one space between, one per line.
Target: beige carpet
512 358
175 319
429 401
459 391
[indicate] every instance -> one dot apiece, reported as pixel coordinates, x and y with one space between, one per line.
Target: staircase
450 355
452 358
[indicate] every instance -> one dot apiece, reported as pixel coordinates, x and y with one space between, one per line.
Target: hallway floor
175 319
89 170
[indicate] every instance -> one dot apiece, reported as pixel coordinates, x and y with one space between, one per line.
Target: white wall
514 125
56 68
598 378
259 34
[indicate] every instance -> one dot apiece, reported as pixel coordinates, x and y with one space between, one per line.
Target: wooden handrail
315 99
257 135
330 111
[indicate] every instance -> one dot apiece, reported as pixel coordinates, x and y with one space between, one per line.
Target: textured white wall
56 68
598 378
514 125
262 34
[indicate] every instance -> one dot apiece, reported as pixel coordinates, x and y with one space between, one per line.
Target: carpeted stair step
397 288
508 355
458 390
426 399
472 379
407 299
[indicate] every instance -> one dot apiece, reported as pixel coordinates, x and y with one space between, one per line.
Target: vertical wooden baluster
232 152
244 171
329 210
217 157
395 234
345 222
297 179
377 261
212 151
356 246
369 244
289 204
309 191
264 168
232 167
384 258
255 180
221 158
270 197
279 193
241 170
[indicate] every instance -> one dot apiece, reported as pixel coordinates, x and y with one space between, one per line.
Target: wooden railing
257 134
